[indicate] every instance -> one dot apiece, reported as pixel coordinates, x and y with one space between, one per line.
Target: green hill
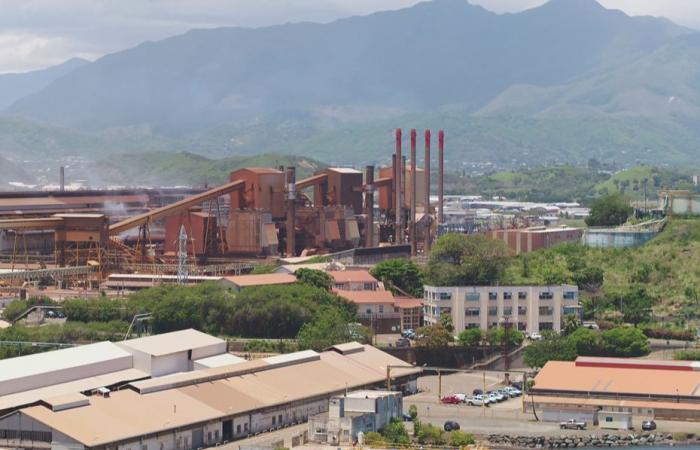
180 169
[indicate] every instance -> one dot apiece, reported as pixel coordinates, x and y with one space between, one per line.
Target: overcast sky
40 33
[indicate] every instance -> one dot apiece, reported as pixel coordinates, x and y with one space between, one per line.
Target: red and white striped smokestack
398 209
412 224
441 174
426 198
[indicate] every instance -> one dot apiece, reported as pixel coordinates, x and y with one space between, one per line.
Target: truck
572 424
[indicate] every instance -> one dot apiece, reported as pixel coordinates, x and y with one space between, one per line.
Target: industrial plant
79 238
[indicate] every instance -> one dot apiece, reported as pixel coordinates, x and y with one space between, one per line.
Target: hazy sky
40 33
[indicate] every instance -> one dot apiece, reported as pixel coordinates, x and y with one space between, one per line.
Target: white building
350 414
529 309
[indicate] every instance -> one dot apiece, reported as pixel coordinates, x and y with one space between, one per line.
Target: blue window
472 296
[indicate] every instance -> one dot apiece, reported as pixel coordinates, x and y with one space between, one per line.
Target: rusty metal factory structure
260 212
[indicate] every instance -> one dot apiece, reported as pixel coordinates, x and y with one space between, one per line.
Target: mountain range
566 81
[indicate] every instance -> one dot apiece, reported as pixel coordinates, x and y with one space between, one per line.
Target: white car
513 391
535 336
476 400
495 397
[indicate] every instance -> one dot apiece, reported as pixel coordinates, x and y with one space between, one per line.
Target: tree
446 322
625 342
433 336
327 328
571 324
589 279
316 278
550 347
471 336
609 211
430 434
403 274
506 336
635 305
586 342
395 432
459 259
413 412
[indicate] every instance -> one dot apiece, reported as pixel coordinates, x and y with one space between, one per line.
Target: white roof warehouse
204 407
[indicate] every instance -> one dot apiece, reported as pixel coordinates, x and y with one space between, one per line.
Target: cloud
39 33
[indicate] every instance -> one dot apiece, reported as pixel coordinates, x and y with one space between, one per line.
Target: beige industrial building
198 408
354 413
617 392
530 309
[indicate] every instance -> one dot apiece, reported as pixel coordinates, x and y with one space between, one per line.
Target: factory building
238 282
529 309
354 413
203 407
622 392
525 240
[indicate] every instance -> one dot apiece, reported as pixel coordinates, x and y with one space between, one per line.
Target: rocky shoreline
581 441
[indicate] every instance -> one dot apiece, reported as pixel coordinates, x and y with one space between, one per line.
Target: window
238 428
381 309
546 326
339 286
472 312
522 310
397 309
493 295
368 286
546 310
279 419
245 426
508 311
507 295
209 436
493 311
471 325
472 296
274 420
445 296
546 295
522 326
608 419
369 310
570 295
522 295
216 434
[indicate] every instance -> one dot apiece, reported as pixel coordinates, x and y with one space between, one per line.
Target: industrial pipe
291 201
412 219
426 198
398 207
369 206
441 174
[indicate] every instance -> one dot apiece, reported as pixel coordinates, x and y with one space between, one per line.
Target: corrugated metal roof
225 359
261 280
129 414
352 276
367 297
173 342
566 376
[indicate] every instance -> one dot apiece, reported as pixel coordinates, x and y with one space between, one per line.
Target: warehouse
27 380
204 407
589 388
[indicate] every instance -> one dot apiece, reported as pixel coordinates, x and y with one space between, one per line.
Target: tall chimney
426 198
403 200
369 206
441 174
291 199
398 207
412 224
62 179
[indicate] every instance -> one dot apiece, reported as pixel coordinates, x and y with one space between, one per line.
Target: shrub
687 355
680 334
373 438
413 412
430 434
460 438
395 432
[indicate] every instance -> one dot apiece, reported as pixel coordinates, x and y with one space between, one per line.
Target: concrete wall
168 364
616 239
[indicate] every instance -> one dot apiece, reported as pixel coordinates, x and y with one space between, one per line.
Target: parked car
477 392
648 425
403 343
451 425
407 417
504 393
517 385
514 392
409 334
495 396
572 424
450 400
476 400
535 336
